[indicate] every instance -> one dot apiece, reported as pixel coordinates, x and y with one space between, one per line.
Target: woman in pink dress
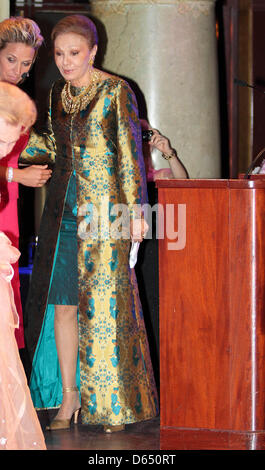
20 40
19 425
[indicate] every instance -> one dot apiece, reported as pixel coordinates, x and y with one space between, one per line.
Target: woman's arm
34 175
162 143
131 168
41 148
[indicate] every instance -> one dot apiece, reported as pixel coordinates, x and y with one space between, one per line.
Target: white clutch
133 254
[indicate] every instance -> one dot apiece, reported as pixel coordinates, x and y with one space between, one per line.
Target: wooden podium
212 312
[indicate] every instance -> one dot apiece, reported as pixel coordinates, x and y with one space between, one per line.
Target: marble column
168 47
4 9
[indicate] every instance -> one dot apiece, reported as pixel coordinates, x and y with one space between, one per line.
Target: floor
146 437
141 436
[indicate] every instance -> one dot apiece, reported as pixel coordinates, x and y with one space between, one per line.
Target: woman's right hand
34 175
160 142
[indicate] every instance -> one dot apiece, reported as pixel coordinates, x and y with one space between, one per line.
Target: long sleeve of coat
131 166
41 148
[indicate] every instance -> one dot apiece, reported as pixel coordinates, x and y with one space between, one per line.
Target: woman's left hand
139 229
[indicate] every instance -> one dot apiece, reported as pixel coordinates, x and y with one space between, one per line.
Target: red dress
9 224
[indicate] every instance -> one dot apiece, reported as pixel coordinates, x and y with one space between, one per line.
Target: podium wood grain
212 307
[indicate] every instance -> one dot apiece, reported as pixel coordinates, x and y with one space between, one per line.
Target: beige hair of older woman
16 107
78 24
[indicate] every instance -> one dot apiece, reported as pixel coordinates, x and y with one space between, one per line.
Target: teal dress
64 285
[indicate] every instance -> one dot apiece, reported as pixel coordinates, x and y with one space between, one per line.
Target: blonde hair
78 24
16 107
22 30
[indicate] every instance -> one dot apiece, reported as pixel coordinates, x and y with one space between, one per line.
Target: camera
147 135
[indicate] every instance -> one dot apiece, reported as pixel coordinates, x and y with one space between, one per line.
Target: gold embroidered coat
101 146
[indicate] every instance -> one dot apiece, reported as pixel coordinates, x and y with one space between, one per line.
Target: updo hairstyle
20 30
77 24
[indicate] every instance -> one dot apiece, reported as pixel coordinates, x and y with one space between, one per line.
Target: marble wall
4 9
168 47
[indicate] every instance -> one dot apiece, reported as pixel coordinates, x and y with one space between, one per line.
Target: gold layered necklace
73 104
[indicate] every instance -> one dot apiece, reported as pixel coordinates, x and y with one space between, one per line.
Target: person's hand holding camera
154 139
160 142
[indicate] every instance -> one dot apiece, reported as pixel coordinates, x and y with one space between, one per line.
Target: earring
91 61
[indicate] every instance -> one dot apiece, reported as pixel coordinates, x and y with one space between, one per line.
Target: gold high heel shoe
109 428
65 423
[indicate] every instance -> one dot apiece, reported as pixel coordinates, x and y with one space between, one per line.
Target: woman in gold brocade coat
83 307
